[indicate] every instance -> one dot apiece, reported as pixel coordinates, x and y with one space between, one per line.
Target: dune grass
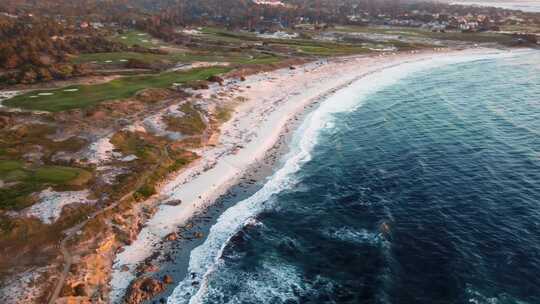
191 123
84 96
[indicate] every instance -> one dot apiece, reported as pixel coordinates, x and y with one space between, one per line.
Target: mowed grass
308 47
186 57
84 96
15 171
103 58
22 181
133 37
478 37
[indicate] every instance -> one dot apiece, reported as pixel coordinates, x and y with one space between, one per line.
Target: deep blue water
429 192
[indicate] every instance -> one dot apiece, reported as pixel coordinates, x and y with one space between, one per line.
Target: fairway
84 96
28 180
133 37
122 57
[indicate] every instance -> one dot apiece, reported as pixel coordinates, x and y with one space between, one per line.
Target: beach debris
172 237
151 268
173 203
167 279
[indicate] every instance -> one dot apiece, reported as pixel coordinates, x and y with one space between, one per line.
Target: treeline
39 49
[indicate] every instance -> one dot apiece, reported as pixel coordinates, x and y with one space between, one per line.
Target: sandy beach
272 100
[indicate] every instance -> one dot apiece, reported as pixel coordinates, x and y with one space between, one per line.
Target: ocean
526 6
418 184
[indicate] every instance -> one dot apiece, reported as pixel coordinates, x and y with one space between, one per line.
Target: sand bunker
50 204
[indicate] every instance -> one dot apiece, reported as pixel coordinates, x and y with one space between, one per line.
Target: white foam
273 99
205 259
272 281
355 236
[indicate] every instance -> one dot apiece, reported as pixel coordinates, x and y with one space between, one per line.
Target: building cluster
443 21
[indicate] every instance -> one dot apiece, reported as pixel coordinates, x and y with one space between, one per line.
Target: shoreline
174 255
267 113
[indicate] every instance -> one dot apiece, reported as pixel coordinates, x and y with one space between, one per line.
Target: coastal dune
272 100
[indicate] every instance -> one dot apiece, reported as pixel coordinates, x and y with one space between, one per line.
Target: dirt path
68 257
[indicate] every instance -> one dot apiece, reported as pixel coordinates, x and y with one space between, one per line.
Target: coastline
274 101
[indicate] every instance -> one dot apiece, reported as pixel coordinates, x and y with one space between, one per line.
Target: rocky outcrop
217 79
167 279
146 288
172 237
143 290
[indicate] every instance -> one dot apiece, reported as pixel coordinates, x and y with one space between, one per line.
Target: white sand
4 95
197 64
272 100
278 35
100 151
22 287
50 204
193 32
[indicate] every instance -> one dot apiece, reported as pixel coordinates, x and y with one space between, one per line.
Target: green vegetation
120 57
130 143
156 159
309 47
187 57
62 175
223 113
7 166
133 38
191 123
24 181
84 96
409 32
522 28
15 171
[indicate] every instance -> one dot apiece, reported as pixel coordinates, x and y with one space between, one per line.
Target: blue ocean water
427 190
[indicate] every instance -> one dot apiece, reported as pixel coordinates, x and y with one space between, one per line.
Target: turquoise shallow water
429 192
